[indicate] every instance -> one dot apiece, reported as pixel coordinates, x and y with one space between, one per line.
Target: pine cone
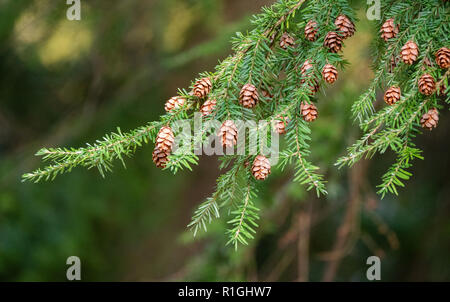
392 95
308 112
228 133
308 76
443 57
393 63
311 31
261 167
208 107
389 30
427 85
160 158
248 97
286 41
280 124
202 87
165 139
409 52
174 103
329 73
345 26
266 95
430 119
333 41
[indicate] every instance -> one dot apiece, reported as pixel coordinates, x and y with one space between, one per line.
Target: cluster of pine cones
427 85
249 97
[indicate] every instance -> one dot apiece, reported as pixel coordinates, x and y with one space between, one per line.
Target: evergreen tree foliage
394 127
259 60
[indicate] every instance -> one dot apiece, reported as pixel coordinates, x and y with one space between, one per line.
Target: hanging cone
345 26
202 87
430 119
329 73
280 124
174 103
308 112
333 41
248 97
409 52
228 134
309 77
427 85
311 31
165 139
261 167
208 107
392 95
267 96
286 41
443 57
160 158
389 30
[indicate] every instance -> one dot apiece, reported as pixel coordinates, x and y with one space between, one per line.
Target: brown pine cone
393 63
345 26
249 97
329 73
427 84
430 119
409 52
311 31
443 57
392 95
174 103
228 133
305 70
208 107
202 87
308 76
280 124
165 139
333 41
286 41
308 112
261 167
389 30
160 158
266 95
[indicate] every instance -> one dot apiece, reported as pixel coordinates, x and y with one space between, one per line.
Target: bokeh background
65 83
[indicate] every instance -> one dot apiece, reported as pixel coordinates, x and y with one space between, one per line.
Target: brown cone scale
345 26
443 57
329 73
261 167
228 134
430 119
311 31
409 52
165 139
174 103
389 30
208 107
202 87
249 97
286 41
309 112
160 158
427 84
392 95
333 41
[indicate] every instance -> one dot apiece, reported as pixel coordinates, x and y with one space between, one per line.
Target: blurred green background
65 83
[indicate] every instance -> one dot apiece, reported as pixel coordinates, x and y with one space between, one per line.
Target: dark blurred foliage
65 83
